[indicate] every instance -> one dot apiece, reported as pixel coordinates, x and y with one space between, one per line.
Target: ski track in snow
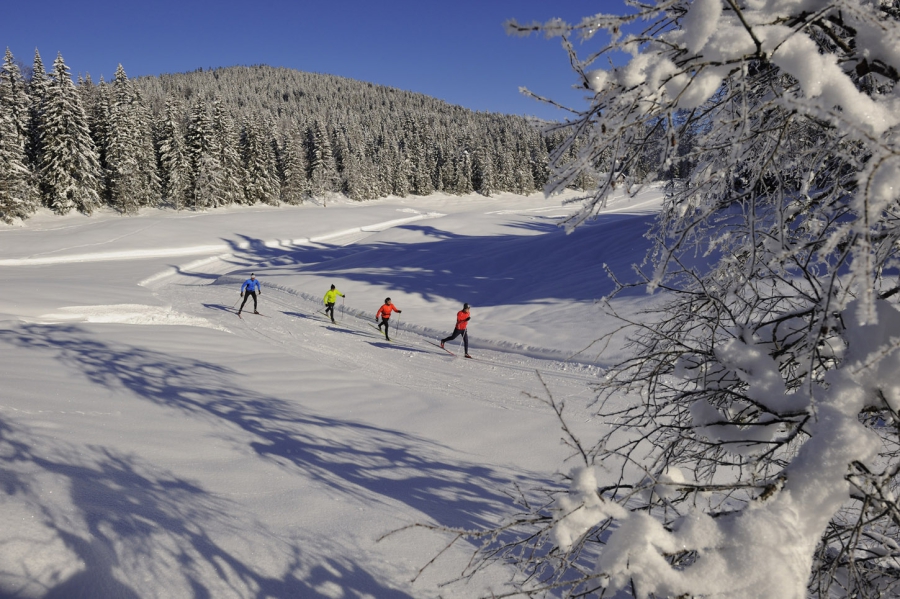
295 326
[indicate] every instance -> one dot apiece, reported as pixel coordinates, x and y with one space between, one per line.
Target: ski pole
397 333
342 308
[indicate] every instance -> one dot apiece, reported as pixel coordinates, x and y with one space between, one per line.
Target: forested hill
244 135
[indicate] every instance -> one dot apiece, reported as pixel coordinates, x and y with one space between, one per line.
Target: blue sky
455 50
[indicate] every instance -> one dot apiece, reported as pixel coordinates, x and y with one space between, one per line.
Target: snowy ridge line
221 248
427 332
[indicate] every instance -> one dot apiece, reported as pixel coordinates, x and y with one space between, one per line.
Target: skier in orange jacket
462 321
384 312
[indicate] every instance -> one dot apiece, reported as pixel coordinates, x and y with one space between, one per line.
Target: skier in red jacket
384 312
462 321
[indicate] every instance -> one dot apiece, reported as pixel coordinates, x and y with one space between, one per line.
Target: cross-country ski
439 346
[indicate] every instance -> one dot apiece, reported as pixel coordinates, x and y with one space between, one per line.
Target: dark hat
465 306
332 286
387 299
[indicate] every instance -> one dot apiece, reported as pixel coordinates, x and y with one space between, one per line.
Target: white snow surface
267 456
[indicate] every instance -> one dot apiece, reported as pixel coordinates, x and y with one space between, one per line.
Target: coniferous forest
244 135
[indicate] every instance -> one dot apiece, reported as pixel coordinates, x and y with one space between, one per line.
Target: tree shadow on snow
535 261
156 515
133 521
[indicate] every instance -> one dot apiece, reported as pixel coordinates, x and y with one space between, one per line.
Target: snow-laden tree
483 177
69 166
37 93
751 445
294 184
130 162
174 166
322 167
14 96
17 194
461 181
203 154
260 170
403 170
227 141
17 197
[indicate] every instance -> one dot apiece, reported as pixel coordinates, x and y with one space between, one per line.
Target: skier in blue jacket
252 287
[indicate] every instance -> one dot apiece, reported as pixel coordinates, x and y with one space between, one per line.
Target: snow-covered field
152 444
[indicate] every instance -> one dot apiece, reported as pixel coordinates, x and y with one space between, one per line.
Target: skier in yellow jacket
329 299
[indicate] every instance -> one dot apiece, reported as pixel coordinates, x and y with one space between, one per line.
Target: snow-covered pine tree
70 171
385 161
342 159
522 178
483 172
17 197
323 177
126 187
421 182
227 139
260 170
294 184
148 166
538 158
462 173
173 160
97 100
441 169
37 94
14 96
402 171
352 178
430 156
204 159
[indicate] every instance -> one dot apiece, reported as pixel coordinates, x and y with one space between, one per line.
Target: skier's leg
246 297
387 326
465 335
253 293
450 338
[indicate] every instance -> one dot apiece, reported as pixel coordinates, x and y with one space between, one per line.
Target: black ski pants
329 307
457 333
247 296
386 323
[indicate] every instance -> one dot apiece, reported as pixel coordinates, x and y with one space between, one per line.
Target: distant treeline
243 135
